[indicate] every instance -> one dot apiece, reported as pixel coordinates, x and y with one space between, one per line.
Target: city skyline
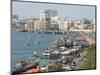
28 9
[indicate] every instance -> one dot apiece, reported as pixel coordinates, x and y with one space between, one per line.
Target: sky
30 9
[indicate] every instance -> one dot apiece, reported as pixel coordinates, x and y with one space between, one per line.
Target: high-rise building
47 14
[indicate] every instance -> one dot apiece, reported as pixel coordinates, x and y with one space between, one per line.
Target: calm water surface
25 43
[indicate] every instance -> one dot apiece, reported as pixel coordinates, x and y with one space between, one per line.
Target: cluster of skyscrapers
50 22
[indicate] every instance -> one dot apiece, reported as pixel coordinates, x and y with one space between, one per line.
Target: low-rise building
40 25
29 26
64 26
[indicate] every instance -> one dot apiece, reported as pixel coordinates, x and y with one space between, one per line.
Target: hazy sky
29 9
